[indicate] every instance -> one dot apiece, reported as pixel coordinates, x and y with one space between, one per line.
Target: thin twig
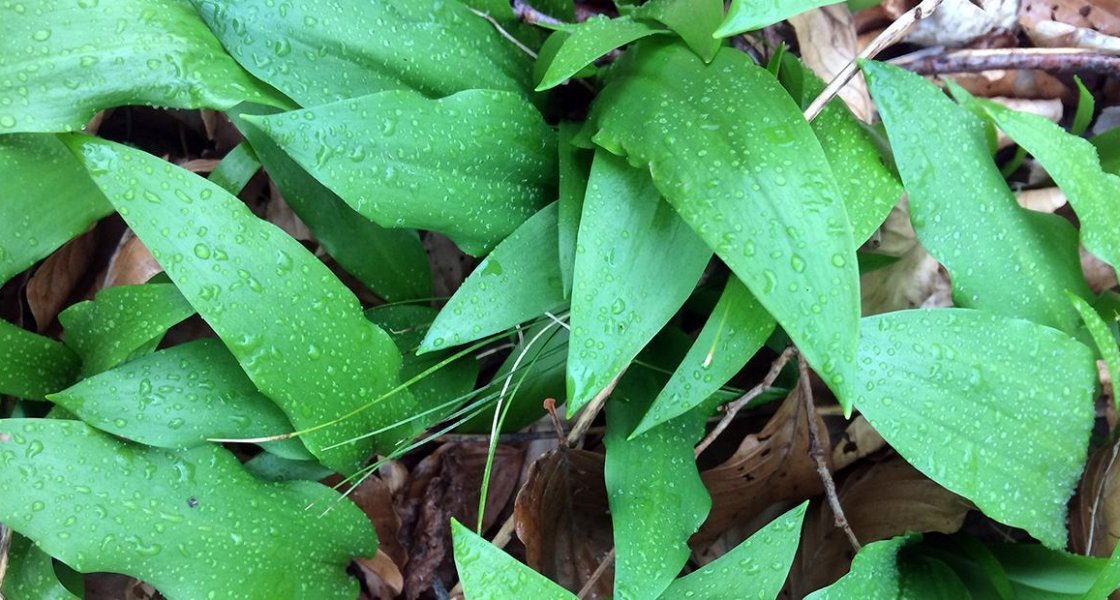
550 406
575 436
502 31
607 561
532 16
890 36
1053 60
818 455
733 408
5 544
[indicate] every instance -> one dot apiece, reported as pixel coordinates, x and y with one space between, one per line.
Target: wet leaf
1038 572
874 574
587 42
72 57
200 526
694 20
747 15
969 399
486 572
574 168
298 333
927 578
1000 257
472 166
1102 338
30 574
32 366
700 130
236 168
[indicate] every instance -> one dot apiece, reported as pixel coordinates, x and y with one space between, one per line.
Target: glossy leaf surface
1103 339
32 366
748 15
30 574
874 574
694 20
574 167
587 42
487 573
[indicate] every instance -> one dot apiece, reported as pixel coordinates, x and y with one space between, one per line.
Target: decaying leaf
1072 23
1015 83
859 440
131 263
957 22
915 279
827 38
56 279
382 577
1095 512
1098 274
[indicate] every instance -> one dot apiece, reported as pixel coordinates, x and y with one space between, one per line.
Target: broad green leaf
729 149
970 399
736 329
1039 573
1108 580
236 168
64 61
1072 162
636 264
121 322
1000 257
46 198
587 42
657 500
1108 150
298 333
193 523
518 281
488 573
32 366
30 574
179 398
874 574
760 564
319 51
1105 342
747 15
927 578
270 467
472 166
392 262
574 166
694 20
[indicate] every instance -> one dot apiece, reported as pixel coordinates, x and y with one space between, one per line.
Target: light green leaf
32 366
236 168
518 281
199 526
1039 573
1086 106
969 398
121 322
1073 164
574 166
636 264
652 519
473 166
298 333
1108 580
319 51
392 262
729 149
748 15
694 20
488 573
64 61
587 42
736 329
46 198
1000 257
874 574
1102 338
760 563
30 574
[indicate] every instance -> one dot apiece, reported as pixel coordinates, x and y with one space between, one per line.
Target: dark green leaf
32 366
488 573
969 398
270 467
236 169
587 42
1108 149
30 574
874 574
1108 580
747 15
926 578
574 166
694 20
1086 106
1039 573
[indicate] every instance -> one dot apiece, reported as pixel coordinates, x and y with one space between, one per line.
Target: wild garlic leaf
200 526
927 578
694 20
730 150
760 563
296 330
179 398
488 573
64 61
588 41
874 574
736 329
516 282
1107 145
46 199
32 366
472 166
121 322
30 574
636 264
574 167
236 168
748 15
1102 338
317 51
1053 573
1001 257
969 398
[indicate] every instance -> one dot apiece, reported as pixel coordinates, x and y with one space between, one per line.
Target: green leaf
1108 149
392 262
775 216
236 168
46 199
32 366
636 264
736 329
488 573
1000 257
969 398
874 574
587 42
760 563
1102 338
72 59
1086 106
473 166
197 526
298 333
652 520
1073 164
574 166
270 467
1039 573
694 20
30 574
1108 580
122 322
748 15
518 281
179 398
927 578
319 51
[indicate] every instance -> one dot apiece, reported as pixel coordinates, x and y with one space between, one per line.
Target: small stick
575 436
1054 60
897 30
818 455
732 409
504 33
550 406
532 16
607 561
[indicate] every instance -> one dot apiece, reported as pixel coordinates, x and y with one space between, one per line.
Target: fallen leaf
131 263
375 498
1054 34
1095 511
1045 200
56 279
111 586
1099 275
450 266
1014 83
957 22
382 577
916 279
858 441
1098 15
827 38
200 165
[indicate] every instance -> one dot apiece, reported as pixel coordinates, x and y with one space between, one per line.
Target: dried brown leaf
957 22
382 577
827 38
1016 83
858 441
1098 274
1098 15
1095 513
916 279
56 279
131 263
